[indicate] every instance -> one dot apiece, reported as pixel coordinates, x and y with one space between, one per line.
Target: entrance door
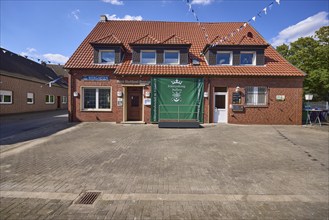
220 108
134 103
58 102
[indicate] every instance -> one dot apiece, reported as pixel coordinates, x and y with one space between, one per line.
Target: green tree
311 55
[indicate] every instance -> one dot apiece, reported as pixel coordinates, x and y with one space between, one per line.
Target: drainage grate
88 198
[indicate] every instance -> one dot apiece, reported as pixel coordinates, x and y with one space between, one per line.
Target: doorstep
133 122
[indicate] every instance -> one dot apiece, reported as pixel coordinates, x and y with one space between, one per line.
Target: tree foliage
311 55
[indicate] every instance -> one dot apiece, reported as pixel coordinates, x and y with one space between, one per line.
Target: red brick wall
277 112
116 113
20 88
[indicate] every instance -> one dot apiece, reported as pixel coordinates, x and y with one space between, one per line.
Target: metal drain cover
87 198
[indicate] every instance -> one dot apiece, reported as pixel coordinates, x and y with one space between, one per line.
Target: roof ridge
146 36
175 36
108 36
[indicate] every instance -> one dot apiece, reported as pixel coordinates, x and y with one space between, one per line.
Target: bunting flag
263 11
27 57
190 9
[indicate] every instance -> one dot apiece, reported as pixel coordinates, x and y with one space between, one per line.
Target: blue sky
51 30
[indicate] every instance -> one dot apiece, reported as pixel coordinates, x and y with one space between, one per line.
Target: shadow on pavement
29 126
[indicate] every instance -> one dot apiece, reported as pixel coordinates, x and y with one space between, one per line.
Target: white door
220 107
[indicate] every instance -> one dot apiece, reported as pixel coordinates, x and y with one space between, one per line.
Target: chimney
103 18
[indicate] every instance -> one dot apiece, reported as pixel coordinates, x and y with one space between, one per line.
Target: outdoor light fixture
147 94
119 93
308 97
75 94
205 94
237 89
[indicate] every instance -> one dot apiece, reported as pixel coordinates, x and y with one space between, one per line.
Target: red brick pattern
21 87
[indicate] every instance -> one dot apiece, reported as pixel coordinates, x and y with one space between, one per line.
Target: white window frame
171 51
30 95
255 94
148 51
231 58
96 98
4 93
253 58
100 56
49 102
64 99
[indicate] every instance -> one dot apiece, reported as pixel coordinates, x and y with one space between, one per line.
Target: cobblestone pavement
143 172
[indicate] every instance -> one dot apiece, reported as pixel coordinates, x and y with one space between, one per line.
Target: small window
6 97
30 98
256 96
171 57
107 56
247 58
96 98
224 58
64 99
50 99
148 57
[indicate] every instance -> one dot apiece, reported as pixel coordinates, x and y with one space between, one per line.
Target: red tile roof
111 39
155 32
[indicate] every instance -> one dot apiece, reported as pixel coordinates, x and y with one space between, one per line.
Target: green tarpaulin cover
177 99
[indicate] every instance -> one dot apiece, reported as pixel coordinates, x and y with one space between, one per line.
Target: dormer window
148 57
248 58
171 57
107 56
224 58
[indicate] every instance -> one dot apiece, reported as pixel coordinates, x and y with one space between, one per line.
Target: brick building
27 86
152 71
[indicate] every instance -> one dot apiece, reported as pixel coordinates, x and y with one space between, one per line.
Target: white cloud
56 58
202 2
33 54
304 28
113 2
126 17
76 14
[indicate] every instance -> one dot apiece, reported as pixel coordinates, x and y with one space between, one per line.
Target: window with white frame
30 98
6 97
96 98
248 58
107 56
256 96
64 99
148 57
224 58
50 99
171 57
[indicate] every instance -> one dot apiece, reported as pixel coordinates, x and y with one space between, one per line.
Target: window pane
246 58
52 99
220 101
47 98
107 57
7 98
104 98
256 95
148 57
89 96
261 99
223 58
171 57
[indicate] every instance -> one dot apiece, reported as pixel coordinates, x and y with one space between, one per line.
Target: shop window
107 56
256 96
6 97
64 99
50 99
96 99
30 98
148 57
248 58
224 58
171 57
